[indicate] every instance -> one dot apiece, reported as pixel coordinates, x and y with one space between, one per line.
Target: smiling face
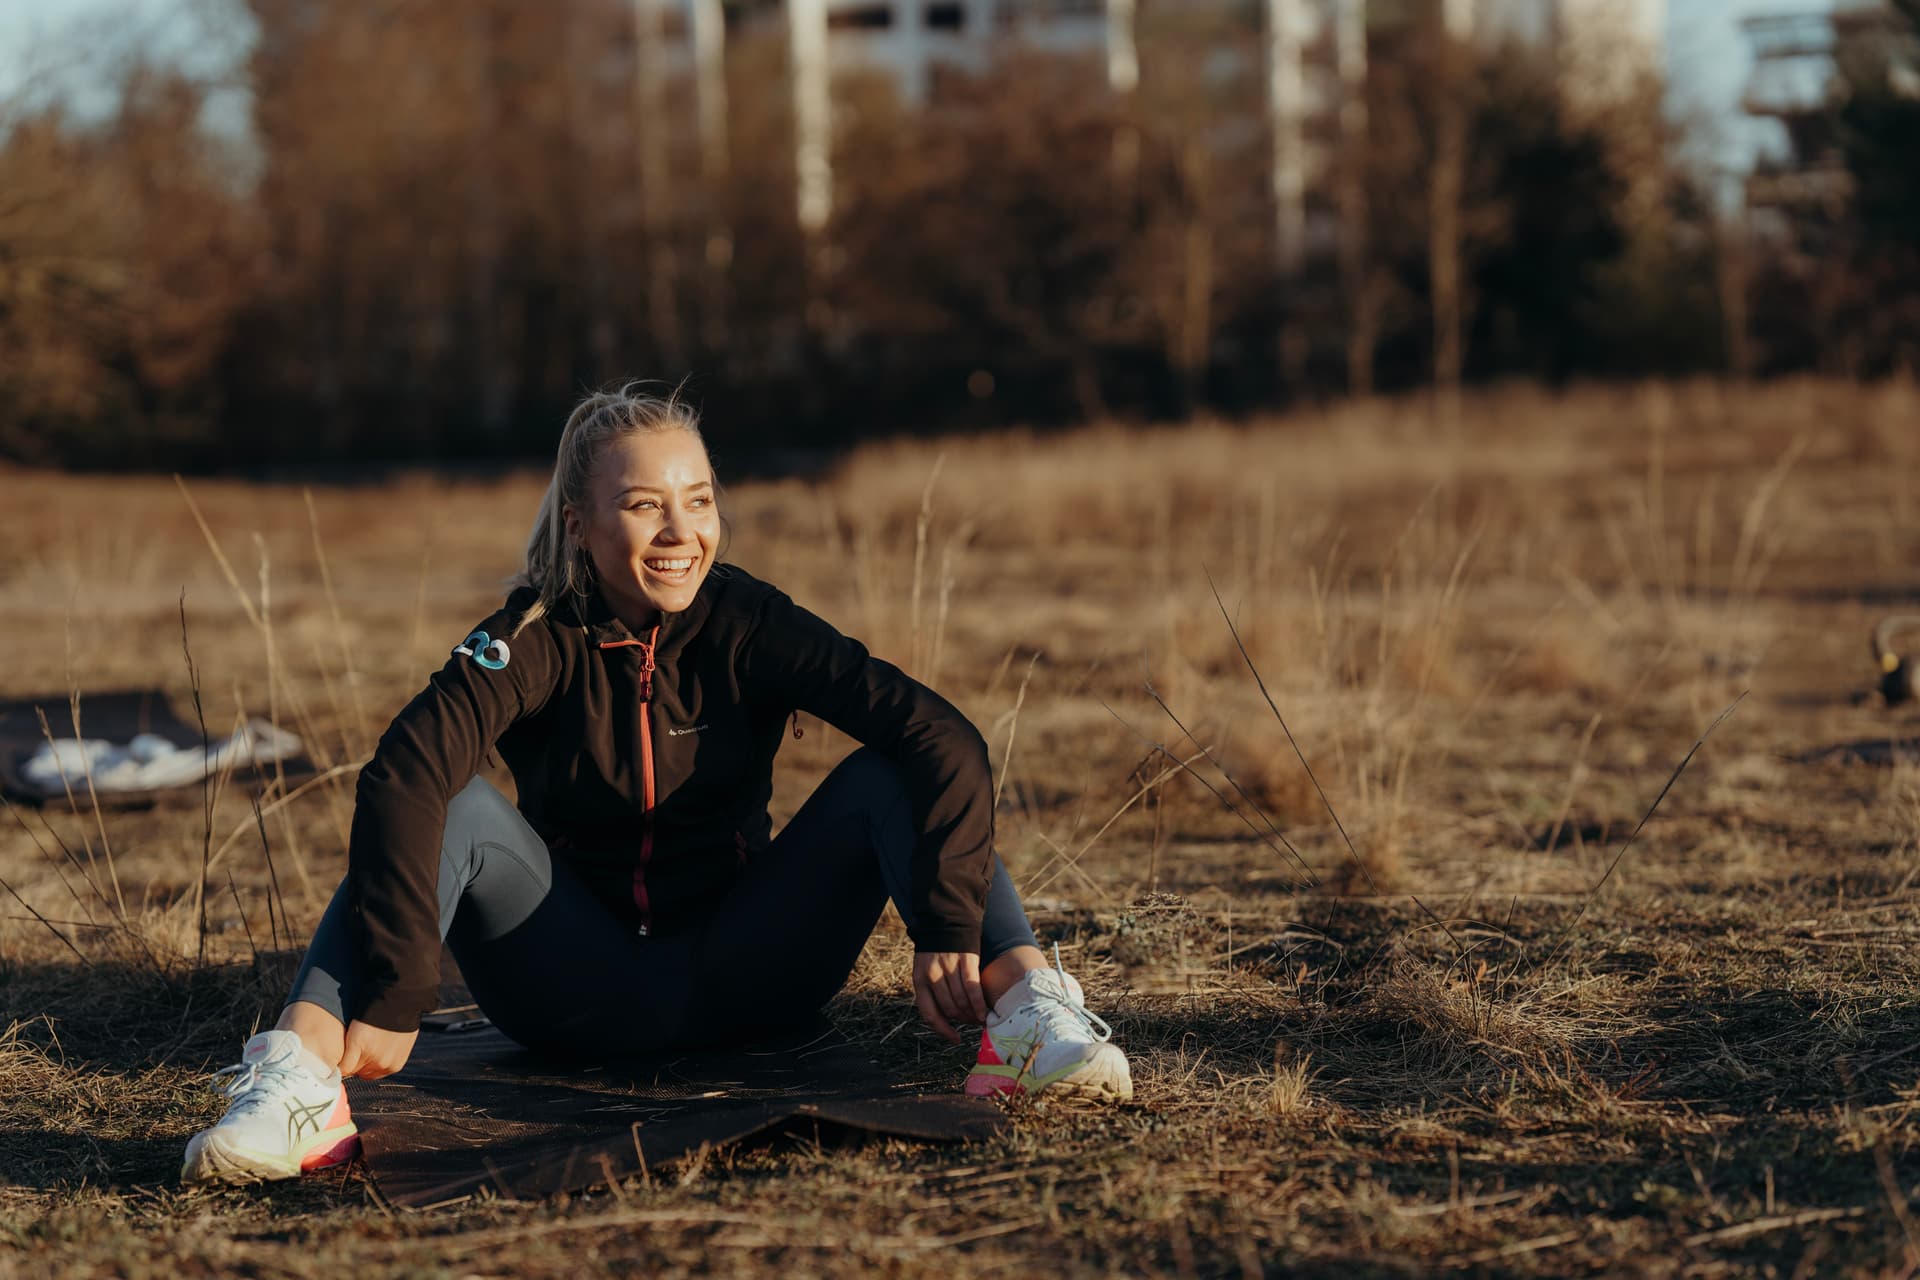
651 523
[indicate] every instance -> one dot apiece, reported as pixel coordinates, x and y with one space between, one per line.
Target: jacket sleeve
432 750
798 660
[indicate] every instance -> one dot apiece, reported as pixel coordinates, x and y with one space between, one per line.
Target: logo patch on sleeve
485 650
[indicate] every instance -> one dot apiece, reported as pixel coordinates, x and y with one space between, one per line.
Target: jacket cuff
396 1008
946 938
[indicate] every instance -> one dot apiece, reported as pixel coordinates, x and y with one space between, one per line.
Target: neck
638 616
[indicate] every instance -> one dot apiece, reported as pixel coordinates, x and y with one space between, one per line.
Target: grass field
1441 1049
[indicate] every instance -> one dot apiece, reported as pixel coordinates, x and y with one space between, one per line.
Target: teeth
669 566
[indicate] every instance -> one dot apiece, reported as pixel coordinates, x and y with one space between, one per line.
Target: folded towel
150 762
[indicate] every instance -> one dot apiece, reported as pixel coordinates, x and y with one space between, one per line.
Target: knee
475 808
870 775
868 784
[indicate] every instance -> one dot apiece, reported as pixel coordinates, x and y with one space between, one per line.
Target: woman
635 900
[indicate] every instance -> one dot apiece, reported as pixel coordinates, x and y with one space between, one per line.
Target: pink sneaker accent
982 1084
987 1057
988 1086
338 1152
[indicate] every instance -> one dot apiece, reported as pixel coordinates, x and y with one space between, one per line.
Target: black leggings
556 970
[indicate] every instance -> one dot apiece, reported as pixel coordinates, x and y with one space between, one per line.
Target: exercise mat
472 1111
125 717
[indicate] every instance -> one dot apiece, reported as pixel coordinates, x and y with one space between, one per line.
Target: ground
1465 1027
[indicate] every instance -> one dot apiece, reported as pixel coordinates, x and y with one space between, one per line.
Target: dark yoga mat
118 716
472 1111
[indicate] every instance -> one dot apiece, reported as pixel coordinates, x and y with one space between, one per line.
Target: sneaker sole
988 1082
212 1159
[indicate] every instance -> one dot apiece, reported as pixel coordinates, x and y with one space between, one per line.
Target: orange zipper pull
646 665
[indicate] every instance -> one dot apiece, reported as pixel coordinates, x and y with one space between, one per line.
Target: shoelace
246 1076
1063 1013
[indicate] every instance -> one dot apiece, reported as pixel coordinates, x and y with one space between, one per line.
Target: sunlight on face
652 524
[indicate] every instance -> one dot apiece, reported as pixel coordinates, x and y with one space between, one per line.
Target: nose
673 528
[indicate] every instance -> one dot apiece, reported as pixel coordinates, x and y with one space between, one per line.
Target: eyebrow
654 489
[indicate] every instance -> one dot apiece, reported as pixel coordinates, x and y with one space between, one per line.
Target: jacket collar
603 627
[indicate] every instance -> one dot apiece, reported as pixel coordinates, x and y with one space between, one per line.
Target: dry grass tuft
1452 1020
1288 1094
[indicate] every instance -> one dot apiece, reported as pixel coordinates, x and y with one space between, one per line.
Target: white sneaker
1041 1035
288 1117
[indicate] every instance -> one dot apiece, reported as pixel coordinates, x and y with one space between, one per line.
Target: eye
643 503
493 656
702 502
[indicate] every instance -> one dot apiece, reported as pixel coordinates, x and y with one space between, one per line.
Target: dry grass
1416 1054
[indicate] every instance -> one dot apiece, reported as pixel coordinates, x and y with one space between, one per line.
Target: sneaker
1041 1035
288 1117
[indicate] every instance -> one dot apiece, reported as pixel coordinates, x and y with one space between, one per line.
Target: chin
675 599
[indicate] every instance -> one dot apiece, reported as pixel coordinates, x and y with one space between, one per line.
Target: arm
793 657
432 749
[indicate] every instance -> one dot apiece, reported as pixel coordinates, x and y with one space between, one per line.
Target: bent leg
873 782
784 941
545 960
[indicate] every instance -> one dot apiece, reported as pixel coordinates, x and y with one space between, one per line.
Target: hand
373 1052
946 987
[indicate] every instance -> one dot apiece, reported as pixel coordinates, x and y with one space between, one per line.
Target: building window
866 17
946 15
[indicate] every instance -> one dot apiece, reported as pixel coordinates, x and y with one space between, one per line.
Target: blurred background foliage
439 233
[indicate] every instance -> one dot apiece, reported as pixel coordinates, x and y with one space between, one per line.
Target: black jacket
646 762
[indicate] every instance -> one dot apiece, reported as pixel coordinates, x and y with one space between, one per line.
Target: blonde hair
555 568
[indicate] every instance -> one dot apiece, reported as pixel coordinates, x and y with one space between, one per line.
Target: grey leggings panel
556 970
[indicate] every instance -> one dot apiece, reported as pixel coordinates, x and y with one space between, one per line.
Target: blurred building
1605 48
918 41
1792 84
1311 62
1604 45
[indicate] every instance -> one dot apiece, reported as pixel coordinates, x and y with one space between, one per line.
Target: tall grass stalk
206 782
339 629
46 855
1013 726
923 522
1291 741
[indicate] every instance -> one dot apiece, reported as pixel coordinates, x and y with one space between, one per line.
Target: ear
576 526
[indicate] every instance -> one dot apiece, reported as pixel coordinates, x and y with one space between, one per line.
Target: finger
970 980
930 1013
356 1060
938 979
956 992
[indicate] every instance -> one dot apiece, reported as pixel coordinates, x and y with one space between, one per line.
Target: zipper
640 898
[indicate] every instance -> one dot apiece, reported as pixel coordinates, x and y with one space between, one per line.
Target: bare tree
1350 55
657 188
1446 178
1287 31
710 96
585 128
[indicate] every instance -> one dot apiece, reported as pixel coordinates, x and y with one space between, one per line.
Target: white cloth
150 762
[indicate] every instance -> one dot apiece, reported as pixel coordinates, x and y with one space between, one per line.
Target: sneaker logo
681 733
1017 1049
304 1120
